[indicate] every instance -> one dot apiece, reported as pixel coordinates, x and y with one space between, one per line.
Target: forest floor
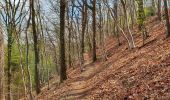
139 74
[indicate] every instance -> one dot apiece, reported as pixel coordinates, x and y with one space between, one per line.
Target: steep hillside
137 74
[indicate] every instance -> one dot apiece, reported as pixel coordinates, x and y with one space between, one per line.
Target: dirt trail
143 72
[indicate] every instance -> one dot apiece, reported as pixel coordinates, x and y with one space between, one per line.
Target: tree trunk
159 10
94 30
9 64
116 21
36 53
63 75
1 65
84 21
153 7
141 20
167 17
131 40
27 61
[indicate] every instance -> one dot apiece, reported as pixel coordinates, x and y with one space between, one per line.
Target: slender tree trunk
70 26
104 56
36 53
69 46
132 13
84 21
63 75
9 64
116 21
167 17
94 31
132 44
27 61
1 66
153 7
22 66
89 40
141 20
121 29
159 10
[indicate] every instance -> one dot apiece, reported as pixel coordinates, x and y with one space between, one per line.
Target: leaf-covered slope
143 72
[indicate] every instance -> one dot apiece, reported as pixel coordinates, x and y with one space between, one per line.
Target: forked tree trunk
131 40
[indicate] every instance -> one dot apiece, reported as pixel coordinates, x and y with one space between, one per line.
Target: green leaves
149 11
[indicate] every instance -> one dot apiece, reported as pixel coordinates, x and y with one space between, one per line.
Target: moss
149 11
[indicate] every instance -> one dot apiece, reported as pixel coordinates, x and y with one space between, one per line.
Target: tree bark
84 21
116 21
1 65
141 19
36 53
94 31
63 75
167 17
132 44
159 10
9 64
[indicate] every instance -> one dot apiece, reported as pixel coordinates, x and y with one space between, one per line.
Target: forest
84 49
